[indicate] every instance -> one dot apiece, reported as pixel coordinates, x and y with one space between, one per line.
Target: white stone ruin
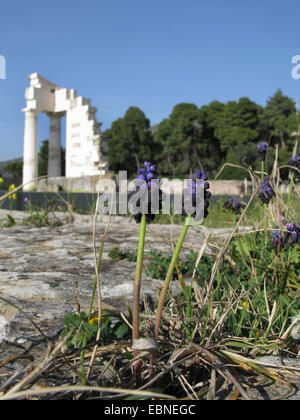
83 136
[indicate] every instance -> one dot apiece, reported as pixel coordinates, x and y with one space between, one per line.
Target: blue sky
151 54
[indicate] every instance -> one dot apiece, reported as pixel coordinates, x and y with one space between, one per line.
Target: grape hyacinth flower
147 199
147 173
234 204
295 161
293 233
266 192
196 196
262 149
290 226
277 239
147 186
291 236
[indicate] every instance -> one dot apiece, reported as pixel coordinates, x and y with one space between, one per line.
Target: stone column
54 153
30 157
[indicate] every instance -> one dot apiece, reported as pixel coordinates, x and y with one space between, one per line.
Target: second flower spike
146 198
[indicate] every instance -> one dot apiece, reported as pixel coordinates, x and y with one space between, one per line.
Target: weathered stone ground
40 266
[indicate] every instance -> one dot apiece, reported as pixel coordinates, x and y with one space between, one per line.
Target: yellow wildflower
246 305
95 320
12 196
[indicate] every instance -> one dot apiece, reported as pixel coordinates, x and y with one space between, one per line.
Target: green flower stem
136 295
262 180
262 170
137 281
170 275
290 190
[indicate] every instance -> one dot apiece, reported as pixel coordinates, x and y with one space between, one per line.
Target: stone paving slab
40 266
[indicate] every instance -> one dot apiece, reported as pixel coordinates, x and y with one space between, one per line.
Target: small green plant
77 323
39 217
10 221
113 327
117 254
158 267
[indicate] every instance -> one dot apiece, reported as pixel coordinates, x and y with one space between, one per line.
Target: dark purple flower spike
291 236
197 198
145 182
293 232
277 239
266 192
262 149
234 204
295 161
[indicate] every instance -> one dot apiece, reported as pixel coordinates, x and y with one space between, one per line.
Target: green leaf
121 331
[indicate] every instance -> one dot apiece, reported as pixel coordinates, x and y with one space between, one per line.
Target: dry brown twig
97 260
40 368
80 389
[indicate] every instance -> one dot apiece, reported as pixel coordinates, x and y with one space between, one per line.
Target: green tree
43 159
129 141
210 146
239 124
205 138
279 120
178 140
15 168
